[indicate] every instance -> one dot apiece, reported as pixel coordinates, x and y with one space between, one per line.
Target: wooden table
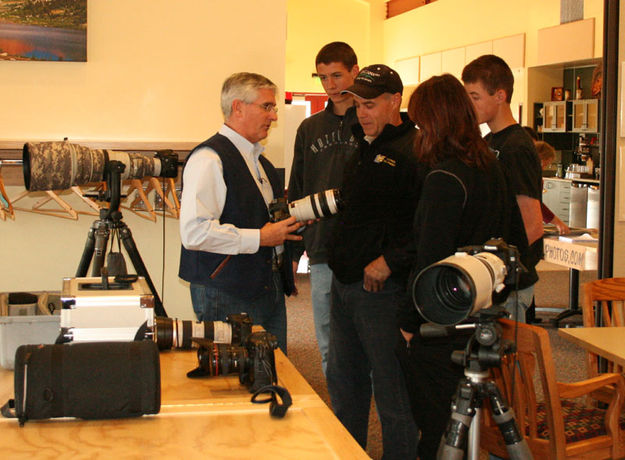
200 418
607 342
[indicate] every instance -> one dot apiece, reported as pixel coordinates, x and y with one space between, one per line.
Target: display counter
576 256
200 418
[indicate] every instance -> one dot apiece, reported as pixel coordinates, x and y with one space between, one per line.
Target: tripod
484 351
111 221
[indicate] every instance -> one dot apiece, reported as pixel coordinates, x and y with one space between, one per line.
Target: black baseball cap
374 80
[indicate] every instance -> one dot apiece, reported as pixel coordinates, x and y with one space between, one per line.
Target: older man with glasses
231 254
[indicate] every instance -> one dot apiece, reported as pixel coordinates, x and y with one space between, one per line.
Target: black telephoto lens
222 359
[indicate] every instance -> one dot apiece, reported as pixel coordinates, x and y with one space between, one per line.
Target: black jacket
380 189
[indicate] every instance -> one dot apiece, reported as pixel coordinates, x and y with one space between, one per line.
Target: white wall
154 73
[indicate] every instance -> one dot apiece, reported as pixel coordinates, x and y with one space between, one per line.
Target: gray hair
243 86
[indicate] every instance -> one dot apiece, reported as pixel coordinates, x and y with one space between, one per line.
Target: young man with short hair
489 83
323 145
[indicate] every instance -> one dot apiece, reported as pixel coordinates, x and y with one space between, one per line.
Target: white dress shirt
204 197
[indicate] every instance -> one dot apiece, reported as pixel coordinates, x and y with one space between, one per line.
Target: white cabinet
554 117
585 116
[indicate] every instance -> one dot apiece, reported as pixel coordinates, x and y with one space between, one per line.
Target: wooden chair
556 424
606 296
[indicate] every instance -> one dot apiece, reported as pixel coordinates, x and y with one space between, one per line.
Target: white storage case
92 313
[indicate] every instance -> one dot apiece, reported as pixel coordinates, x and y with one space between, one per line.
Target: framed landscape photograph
43 30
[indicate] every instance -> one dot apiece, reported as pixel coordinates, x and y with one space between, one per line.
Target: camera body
169 163
278 209
254 361
507 253
262 369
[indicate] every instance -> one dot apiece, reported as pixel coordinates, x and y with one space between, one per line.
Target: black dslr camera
254 361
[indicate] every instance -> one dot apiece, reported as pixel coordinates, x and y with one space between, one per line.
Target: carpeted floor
551 293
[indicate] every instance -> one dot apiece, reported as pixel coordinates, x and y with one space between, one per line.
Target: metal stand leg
131 248
573 298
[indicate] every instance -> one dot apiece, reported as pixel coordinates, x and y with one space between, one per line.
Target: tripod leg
454 440
101 234
131 248
504 418
87 254
97 240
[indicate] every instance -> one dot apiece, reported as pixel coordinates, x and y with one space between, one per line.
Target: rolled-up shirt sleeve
203 199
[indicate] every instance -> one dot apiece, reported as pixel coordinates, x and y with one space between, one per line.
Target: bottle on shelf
578 87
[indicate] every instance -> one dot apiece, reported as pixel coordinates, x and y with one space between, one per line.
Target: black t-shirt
521 165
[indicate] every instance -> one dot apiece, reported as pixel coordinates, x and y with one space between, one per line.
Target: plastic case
24 330
121 311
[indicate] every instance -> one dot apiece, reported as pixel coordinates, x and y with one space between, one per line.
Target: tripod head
485 348
113 171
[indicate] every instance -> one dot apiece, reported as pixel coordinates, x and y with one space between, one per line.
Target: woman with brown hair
464 201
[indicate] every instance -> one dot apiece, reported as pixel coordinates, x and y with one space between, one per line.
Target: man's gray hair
243 86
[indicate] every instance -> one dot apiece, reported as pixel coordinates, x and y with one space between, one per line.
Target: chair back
603 306
527 380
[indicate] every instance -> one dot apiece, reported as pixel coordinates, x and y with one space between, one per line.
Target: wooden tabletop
200 418
608 342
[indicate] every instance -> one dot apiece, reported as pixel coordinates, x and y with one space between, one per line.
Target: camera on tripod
449 291
253 360
62 165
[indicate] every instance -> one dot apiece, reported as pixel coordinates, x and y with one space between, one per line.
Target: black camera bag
87 380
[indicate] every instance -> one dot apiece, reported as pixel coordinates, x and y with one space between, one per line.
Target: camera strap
277 409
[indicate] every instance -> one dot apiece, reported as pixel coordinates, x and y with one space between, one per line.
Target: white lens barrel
480 274
315 206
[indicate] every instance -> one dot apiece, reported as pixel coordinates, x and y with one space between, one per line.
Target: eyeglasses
267 106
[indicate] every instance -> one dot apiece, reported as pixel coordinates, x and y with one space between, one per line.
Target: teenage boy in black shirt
489 83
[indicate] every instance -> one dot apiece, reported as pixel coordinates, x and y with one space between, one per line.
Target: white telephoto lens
315 206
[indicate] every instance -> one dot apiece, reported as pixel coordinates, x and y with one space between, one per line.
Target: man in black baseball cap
367 253
375 80
377 94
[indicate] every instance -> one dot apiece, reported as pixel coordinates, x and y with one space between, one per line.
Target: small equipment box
106 309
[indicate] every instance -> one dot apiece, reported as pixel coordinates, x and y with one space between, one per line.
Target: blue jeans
524 297
363 337
268 310
320 284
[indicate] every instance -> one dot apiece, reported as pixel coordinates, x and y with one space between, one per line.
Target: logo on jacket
331 139
379 158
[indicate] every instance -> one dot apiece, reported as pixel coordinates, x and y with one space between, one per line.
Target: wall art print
43 30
